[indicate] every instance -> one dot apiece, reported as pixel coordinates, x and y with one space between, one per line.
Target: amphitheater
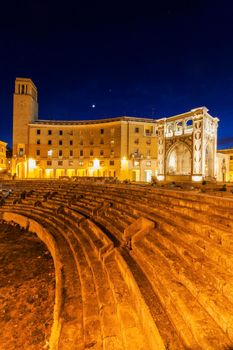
137 267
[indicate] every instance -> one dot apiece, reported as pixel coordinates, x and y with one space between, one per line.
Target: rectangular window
111 162
71 153
49 162
71 142
102 163
91 142
136 141
38 131
102 131
60 142
60 163
49 132
50 153
37 162
71 162
21 152
91 152
136 130
60 132
38 152
38 142
81 163
60 153
101 152
231 157
81 152
81 142
148 163
90 163
49 142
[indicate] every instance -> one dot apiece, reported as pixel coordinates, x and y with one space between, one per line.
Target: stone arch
179 160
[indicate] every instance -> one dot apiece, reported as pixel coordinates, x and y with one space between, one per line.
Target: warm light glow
50 153
197 178
96 164
160 177
31 164
124 162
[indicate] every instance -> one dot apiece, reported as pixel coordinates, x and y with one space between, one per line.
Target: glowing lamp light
31 164
96 164
124 162
197 178
160 177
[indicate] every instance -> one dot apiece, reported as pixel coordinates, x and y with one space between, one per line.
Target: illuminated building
3 160
181 147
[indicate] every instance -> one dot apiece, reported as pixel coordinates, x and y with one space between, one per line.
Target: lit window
50 153
71 163
81 163
148 163
112 142
136 163
90 163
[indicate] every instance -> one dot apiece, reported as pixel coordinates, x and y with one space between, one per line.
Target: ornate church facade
181 147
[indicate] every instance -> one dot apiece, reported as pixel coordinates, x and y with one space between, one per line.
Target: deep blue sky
127 59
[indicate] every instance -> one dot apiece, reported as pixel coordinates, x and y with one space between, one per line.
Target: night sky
126 59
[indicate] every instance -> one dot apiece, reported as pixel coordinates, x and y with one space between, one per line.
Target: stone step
211 299
196 327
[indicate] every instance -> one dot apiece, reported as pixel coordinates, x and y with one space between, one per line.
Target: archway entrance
179 160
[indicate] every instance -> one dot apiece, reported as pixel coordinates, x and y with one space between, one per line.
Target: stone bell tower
25 111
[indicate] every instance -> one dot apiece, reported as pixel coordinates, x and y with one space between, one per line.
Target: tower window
111 162
38 142
71 153
81 153
49 132
38 152
71 142
49 142
102 131
101 152
60 132
60 142
38 131
91 152
60 153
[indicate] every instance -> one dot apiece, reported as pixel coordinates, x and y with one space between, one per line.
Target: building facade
3 159
181 147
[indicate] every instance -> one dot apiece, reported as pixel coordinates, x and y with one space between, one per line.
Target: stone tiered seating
137 267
